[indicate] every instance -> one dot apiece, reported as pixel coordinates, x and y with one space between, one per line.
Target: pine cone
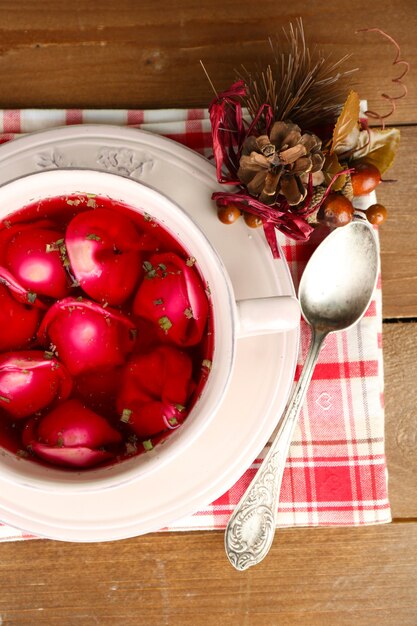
314 205
278 164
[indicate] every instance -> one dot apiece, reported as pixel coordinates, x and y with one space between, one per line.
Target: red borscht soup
106 334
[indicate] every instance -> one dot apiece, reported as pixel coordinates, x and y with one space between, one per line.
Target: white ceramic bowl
231 320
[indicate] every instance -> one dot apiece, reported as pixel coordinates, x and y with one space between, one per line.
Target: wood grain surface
130 54
146 54
324 577
398 234
400 358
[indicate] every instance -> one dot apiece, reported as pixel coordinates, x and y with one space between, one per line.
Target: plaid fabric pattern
336 471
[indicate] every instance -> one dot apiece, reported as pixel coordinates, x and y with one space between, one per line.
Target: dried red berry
228 214
365 178
251 220
335 211
376 214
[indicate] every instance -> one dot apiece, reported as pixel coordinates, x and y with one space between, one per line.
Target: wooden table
146 54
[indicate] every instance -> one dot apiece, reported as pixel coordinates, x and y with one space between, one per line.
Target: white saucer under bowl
264 369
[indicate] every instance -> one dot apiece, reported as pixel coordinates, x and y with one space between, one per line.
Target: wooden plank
131 54
399 233
400 357
365 576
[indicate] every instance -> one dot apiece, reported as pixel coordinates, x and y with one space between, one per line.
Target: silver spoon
334 293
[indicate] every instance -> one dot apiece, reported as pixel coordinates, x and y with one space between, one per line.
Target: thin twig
397 80
208 78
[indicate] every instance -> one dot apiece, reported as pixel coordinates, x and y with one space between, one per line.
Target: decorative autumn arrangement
104 332
291 138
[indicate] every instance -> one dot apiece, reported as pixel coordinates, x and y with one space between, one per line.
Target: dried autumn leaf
349 143
378 147
347 121
332 167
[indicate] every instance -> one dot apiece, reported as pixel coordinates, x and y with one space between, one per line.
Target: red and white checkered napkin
336 472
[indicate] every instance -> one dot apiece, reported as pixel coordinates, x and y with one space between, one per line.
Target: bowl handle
261 316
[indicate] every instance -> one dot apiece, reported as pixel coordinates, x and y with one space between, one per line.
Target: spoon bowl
339 279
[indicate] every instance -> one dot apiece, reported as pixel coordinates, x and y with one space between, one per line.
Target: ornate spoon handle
251 528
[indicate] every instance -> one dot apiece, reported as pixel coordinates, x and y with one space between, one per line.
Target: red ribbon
291 224
228 130
265 110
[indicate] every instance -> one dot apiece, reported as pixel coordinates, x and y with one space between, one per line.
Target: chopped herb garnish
48 354
75 283
173 421
180 407
149 269
158 302
206 363
93 237
25 371
162 270
7 223
126 413
60 246
208 290
4 399
91 202
60 441
190 261
188 313
75 202
165 323
105 305
79 298
31 297
147 444
147 217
